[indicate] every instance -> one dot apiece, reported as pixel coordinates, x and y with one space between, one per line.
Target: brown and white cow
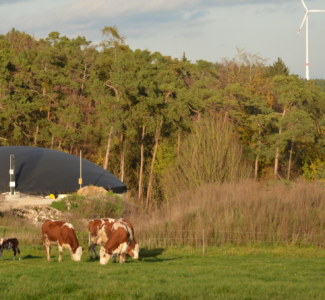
62 234
119 239
9 244
95 230
98 235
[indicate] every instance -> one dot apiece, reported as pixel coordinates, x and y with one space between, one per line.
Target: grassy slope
225 273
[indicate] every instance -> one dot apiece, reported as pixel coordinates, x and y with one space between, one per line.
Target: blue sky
204 29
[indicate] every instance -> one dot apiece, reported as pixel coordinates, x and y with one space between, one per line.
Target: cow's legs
14 251
114 258
91 251
95 250
1 253
18 253
60 253
122 258
47 248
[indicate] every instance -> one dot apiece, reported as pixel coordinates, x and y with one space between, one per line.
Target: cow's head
76 254
134 251
1 242
104 256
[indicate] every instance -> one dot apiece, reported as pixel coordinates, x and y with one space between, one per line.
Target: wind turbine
303 21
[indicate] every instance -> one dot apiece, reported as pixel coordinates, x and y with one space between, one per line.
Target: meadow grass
228 272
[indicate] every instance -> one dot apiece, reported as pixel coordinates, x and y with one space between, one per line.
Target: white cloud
208 29
9 2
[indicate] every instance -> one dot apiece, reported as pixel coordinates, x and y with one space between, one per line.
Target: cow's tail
130 236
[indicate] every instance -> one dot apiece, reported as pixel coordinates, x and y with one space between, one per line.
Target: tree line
130 110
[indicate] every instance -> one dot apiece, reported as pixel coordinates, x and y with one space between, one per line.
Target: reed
235 213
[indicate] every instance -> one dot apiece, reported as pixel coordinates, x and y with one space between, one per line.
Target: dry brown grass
25 231
239 213
236 213
212 153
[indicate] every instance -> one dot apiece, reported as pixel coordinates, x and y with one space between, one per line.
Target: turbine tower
303 21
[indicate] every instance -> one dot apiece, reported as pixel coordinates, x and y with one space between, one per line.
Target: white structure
303 21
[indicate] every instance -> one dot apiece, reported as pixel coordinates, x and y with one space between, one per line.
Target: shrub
212 154
59 205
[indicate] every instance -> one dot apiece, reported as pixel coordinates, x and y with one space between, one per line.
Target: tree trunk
141 163
59 148
151 168
290 158
88 123
276 161
225 120
122 158
52 143
259 149
108 149
179 139
256 167
83 81
36 133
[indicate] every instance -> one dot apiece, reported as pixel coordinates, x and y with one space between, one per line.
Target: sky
203 29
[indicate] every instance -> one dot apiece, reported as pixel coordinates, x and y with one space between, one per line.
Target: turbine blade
303 21
316 10
303 3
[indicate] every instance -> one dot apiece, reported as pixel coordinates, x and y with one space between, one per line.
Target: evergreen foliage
134 112
320 83
278 68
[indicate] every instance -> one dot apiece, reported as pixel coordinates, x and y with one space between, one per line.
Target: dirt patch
25 200
92 191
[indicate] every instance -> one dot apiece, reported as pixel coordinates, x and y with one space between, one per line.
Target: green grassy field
257 272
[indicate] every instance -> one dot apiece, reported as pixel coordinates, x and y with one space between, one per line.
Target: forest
160 123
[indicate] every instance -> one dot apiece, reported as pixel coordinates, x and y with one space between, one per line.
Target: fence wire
180 238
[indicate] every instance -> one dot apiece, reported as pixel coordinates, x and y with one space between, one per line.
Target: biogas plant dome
41 171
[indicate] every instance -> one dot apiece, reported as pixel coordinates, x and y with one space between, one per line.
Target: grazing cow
119 239
7 244
98 235
95 229
62 234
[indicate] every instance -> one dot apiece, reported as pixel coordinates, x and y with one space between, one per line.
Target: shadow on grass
144 253
145 256
152 255
31 257
156 259
94 260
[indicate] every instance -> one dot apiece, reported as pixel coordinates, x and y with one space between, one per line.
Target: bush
110 205
212 154
59 205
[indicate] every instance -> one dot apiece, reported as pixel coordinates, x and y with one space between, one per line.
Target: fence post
203 242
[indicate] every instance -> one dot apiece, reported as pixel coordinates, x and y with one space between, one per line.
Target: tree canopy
131 111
